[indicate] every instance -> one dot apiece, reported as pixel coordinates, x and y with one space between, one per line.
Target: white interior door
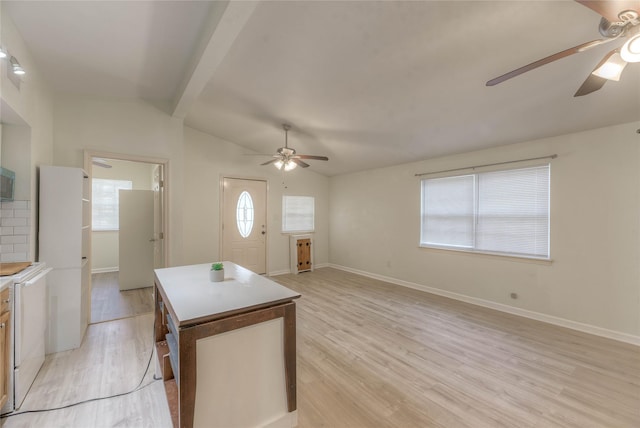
158 202
244 223
136 240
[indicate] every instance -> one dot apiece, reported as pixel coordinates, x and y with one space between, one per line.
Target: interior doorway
128 233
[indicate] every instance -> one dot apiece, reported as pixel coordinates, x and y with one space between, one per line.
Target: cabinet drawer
5 300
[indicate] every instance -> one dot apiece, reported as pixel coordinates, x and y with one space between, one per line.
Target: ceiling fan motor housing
614 29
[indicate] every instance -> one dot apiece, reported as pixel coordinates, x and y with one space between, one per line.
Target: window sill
488 255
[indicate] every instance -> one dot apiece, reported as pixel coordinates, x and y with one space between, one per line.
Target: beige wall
104 244
207 159
196 163
595 233
124 127
30 108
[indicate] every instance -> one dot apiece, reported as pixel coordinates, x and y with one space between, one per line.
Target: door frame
221 214
88 168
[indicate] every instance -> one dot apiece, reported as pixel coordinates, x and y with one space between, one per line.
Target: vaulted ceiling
368 84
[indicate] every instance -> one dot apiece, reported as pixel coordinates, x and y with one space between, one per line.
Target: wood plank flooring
109 303
111 360
372 354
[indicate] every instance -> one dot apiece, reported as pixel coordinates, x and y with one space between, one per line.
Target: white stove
29 322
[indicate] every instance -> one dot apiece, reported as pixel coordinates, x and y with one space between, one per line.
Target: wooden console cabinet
223 347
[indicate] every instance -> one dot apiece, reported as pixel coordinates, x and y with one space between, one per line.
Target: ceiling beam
226 20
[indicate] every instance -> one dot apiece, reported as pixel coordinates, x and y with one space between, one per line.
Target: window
504 212
244 214
298 213
105 203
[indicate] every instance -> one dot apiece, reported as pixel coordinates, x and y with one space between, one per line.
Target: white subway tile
6 248
5 213
20 248
6 231
21 230
14 239
15 205
22 213
12 221
13 257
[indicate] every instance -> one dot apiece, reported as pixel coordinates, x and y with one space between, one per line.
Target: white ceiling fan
286 158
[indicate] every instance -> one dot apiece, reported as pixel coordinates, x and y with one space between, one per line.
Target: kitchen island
226 350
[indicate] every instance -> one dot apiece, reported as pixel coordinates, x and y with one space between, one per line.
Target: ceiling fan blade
610 9
270 162
547 60
591 84
299 162
593 81
324 158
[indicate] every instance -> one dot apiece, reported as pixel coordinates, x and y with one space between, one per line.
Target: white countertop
193 298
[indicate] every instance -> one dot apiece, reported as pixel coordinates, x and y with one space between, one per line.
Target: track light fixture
17 68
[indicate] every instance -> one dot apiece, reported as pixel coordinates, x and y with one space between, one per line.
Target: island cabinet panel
226 350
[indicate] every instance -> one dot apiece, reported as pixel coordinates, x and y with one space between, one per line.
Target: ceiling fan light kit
620 23
630 51
611 68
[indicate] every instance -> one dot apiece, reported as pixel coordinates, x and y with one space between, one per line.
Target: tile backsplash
15 231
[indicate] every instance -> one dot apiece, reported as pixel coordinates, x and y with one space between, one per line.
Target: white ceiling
368 84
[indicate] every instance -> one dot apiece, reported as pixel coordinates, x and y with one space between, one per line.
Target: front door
244 223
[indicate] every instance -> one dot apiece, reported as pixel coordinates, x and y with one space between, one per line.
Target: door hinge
161 235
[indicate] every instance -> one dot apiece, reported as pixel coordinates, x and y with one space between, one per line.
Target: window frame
473 249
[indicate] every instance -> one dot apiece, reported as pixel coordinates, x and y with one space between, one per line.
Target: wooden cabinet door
4 357
304 254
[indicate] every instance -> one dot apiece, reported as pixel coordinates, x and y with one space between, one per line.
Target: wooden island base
230 367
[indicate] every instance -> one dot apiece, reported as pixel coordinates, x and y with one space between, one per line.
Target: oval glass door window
244 214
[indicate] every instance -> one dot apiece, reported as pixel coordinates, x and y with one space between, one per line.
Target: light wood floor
111 360
372 354
109 303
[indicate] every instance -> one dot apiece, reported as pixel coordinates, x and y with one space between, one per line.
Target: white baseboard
287 271
105 270
550 319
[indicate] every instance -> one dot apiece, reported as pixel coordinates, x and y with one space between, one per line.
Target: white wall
105 252
29 106
207 159
196 163
124 127
595 232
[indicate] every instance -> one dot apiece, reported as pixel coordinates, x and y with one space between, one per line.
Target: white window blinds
497 212
298 213
105 207
448 212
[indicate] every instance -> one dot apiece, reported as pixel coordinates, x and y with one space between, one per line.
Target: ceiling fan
286 158
620 20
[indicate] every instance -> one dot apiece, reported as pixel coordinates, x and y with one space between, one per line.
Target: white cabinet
64 244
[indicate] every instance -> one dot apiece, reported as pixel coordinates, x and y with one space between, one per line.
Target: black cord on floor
137 388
